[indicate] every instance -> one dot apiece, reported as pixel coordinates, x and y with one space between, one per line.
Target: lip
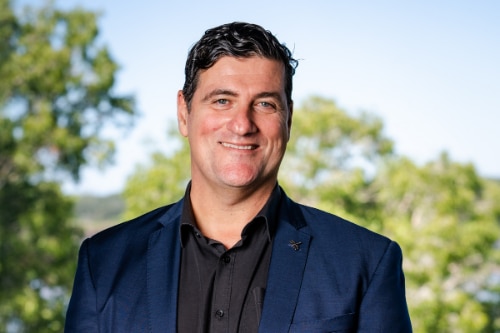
238 146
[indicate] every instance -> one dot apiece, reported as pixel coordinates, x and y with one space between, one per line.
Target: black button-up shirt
223 290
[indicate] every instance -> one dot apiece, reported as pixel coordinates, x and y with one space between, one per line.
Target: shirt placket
223 285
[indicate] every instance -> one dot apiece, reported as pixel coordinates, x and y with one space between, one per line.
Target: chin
239 174
239 182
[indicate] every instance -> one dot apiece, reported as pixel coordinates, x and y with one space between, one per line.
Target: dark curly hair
237 39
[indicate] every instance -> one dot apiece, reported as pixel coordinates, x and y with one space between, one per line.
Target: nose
242 122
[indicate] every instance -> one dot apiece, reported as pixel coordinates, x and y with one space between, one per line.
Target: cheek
279 135
204 126
284 128
276 126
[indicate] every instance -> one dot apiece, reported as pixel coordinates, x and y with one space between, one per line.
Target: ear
182 114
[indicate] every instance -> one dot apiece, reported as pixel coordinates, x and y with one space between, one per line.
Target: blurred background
395 128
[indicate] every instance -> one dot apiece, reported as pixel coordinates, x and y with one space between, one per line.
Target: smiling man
238 124
236 254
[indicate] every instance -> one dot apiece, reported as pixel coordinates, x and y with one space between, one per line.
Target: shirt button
226 259
219 314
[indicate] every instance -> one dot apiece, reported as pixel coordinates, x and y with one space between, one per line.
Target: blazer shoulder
327 229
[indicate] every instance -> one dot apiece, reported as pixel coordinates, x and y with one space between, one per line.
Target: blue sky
429 69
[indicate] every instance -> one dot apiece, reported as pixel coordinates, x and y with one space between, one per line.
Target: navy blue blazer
335 276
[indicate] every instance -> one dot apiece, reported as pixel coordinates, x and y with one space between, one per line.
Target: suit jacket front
326 275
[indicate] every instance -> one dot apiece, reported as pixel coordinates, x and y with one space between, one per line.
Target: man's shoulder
343 239
326 224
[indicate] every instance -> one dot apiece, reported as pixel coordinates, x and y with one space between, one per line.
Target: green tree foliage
55 97
443 214
447 224
162 182
332 157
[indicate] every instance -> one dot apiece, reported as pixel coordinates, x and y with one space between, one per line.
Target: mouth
239 147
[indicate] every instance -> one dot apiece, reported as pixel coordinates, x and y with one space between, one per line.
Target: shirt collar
269 213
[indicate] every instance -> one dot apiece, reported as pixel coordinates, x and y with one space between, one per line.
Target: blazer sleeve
81 315
383 308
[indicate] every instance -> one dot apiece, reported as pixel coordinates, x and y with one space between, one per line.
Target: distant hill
497 180
94 213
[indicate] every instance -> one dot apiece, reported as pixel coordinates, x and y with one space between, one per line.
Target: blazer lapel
163 260
290 250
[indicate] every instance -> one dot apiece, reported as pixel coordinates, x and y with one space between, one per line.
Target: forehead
258 72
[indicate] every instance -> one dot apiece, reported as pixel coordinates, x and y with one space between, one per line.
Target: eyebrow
218 92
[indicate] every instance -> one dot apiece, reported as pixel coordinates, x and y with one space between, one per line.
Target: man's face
239 123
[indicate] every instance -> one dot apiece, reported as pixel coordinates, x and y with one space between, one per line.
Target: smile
241 147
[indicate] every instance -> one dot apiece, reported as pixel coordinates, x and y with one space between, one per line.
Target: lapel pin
294 245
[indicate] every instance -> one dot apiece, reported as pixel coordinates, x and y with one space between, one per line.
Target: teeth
230 145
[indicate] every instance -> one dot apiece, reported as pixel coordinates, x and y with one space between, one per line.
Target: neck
222 215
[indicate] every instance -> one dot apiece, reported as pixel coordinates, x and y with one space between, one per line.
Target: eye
222 101
221 104
266 107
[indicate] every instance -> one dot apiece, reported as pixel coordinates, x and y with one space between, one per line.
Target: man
236 254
